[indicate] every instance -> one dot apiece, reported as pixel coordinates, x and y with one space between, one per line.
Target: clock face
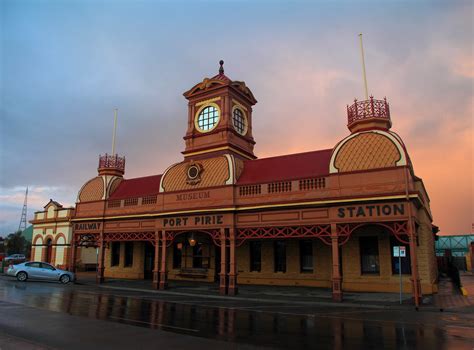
239 121
207 118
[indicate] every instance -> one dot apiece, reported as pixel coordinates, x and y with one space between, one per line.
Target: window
197 256
369 255
33 264
115 254
208 118
193 172
280 256
306 256
406 262
239 121
177 254
255 255
47 267
128 254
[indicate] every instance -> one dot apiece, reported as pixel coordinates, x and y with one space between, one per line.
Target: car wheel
65 279
22 276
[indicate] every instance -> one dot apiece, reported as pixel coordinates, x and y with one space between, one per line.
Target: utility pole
22 225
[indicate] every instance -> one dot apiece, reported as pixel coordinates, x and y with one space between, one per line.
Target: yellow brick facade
136 271
352 278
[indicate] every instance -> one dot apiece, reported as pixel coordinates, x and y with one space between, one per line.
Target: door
33 269
49 272
149 261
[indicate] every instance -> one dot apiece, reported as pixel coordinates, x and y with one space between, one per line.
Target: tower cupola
369 114
219 118
111 165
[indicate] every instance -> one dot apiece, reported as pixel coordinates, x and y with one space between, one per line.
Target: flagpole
114 132
363 67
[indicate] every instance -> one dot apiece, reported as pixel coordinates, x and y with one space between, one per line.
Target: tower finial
221 68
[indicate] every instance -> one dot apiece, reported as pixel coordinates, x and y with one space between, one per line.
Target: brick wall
136 271
321 276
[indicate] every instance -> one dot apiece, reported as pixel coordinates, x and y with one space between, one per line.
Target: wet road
77 316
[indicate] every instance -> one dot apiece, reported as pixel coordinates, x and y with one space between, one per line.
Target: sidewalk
271 294
449 297
467 280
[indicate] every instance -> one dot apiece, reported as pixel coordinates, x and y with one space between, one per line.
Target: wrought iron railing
368 109
109 161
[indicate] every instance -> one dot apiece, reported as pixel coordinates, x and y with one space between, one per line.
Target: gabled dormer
51 207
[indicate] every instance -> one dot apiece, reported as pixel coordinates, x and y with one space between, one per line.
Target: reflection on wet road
275 325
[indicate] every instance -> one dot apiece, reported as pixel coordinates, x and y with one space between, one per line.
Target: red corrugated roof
287 167
281 168
138 187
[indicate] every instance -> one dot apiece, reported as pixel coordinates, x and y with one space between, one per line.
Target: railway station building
326 218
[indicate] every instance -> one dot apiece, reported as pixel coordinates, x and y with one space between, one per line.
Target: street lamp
192 240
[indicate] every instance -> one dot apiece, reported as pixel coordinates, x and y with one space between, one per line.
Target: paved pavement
88 316
467 280
448 298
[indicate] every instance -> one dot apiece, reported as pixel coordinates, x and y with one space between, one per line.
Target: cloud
12 200
69 67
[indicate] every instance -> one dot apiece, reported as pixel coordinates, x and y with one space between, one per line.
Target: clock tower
219 118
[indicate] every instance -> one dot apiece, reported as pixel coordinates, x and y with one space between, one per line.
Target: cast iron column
72 257
223 282
336 272
100 267
233 264
163 278
415 279
156 267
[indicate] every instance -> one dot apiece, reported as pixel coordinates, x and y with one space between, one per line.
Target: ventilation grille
276 187
114 204
130 201
312 184
250 190
149 200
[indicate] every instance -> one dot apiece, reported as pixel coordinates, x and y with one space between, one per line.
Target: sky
65 66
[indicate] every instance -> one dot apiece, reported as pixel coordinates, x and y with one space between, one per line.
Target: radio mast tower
22 225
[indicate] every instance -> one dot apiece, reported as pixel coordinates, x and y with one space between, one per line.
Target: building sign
399 251
193 196
371 210
87 226
201 220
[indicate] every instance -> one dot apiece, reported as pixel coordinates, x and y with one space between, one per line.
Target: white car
39 270
15 258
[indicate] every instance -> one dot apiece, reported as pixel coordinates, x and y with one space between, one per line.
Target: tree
15 243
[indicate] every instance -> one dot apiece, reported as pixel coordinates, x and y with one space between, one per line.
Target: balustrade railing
368 109
112 161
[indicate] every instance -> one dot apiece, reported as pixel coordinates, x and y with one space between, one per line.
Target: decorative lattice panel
367 151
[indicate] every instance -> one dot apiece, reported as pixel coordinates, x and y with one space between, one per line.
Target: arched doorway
194 256
49 251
